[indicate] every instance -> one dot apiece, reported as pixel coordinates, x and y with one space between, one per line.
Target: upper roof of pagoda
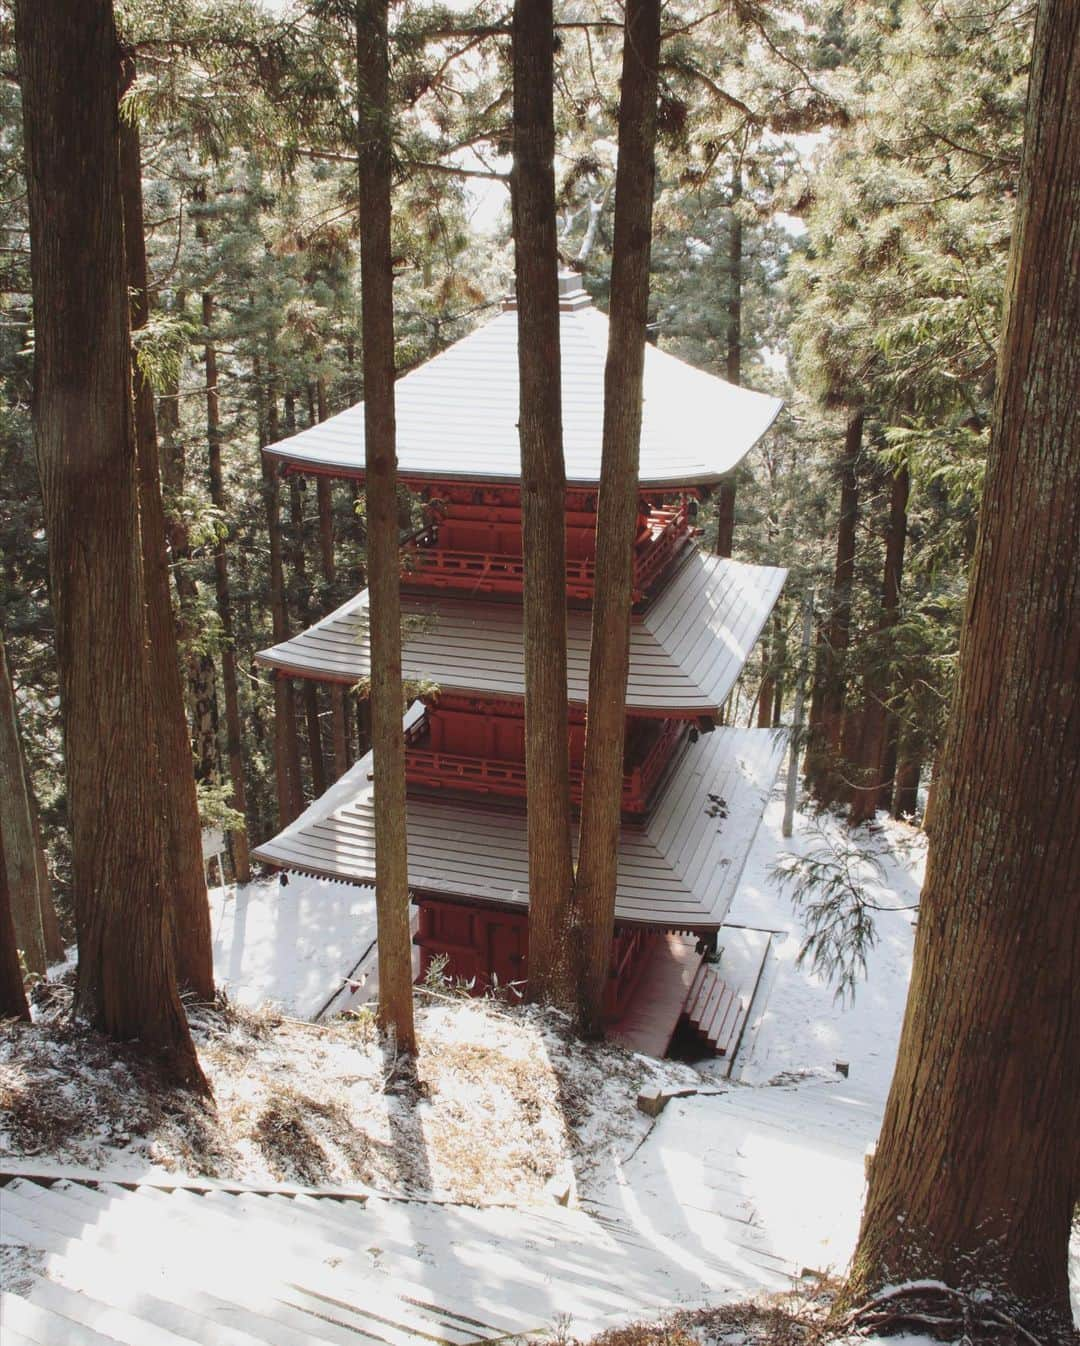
686 649
457 414
678 871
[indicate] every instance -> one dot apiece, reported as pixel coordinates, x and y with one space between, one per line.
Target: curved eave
678 871
457 416
686 649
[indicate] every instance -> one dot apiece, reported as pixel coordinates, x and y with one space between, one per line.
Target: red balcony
477 550
443 750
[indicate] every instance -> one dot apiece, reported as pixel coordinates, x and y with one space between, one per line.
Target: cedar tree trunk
200 672
12 992
877 690
543 511
310 694
609 658
324 490
978 1166
193 945
725 500
827 702
388 742
85 439
27 877
290 797
234 737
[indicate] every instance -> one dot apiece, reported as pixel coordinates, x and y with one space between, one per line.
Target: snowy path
148 1267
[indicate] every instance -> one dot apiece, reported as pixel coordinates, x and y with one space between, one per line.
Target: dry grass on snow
500 1104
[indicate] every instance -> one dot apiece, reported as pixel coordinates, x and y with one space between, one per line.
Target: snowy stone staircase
101 1264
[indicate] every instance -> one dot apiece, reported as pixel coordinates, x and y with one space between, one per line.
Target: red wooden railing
487 775
426 564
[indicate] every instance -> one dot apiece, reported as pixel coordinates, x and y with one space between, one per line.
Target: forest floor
739 1188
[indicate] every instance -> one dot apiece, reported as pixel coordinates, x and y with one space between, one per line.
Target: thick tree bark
12 992
869 760
377 295
978 1166
24 872
179 803
85 439
609 658
827 701
234 735
543 511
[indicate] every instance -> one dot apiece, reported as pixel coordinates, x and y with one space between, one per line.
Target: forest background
835 193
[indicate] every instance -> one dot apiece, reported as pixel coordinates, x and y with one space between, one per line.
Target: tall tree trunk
310 691
609 659
977 1171
199 667
234 735
906 798
12 992
543 511
877 684
338 736
179 802
290 797
827 701
377 295
725 499
25 894
765 691
87 462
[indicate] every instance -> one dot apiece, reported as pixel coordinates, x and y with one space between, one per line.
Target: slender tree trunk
17 830
906 799
12 992
377 294
200 673
877 685
87 462
310 692
290 798
725 500
234 734
765 691
609 658
827 701
338 737
977 1171
543 511
179 803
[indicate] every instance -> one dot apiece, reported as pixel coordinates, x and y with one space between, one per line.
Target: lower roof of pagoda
677 871
686 649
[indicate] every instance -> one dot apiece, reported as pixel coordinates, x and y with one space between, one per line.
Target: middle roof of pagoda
678 871
686 649
457 414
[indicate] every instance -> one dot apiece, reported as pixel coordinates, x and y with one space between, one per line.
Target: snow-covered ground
742 1185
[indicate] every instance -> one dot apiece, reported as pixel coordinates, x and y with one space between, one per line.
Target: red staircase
714 1010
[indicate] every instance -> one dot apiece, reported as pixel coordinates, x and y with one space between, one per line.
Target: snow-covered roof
686 649
679 870
457 414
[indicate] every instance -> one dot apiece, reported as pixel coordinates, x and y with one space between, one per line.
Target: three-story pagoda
693 791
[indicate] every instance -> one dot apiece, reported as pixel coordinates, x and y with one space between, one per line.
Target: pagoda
693 790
